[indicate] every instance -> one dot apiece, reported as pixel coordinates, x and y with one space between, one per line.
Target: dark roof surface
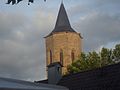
62 23
106 78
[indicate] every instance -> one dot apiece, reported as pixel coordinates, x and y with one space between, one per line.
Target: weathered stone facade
68 42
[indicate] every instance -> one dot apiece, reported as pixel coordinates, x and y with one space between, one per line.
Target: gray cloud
22 53
99 29
98 21
108 1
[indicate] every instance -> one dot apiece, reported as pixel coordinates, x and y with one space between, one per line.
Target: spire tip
62 1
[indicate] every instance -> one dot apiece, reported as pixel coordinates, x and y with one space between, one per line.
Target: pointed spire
62 23
62 19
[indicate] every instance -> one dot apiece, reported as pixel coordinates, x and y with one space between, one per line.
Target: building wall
63 41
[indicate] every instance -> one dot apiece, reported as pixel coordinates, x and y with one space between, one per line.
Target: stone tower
63 44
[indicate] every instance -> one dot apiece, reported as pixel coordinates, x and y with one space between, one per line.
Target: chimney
54 72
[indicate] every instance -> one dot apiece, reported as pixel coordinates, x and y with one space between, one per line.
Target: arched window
50 56
61 57
72 56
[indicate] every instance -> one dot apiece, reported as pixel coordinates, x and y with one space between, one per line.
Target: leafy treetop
92 60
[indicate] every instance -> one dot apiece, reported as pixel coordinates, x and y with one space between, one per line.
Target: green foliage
85 62
92 60
106 57
116 53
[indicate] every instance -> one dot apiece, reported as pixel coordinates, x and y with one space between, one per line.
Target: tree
79 65
17 1
85 62
106 57
116 53
94 60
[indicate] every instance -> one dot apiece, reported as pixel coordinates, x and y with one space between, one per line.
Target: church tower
63 44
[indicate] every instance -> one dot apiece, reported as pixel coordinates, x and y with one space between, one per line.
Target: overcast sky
22 28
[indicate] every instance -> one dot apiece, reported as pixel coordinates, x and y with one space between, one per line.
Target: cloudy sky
22 28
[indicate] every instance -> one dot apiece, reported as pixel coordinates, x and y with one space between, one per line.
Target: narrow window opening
72 56
61 57
50 56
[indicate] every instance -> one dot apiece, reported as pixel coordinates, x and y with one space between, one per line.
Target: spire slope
62 23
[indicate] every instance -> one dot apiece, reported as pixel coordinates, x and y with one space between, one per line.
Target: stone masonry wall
65 41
